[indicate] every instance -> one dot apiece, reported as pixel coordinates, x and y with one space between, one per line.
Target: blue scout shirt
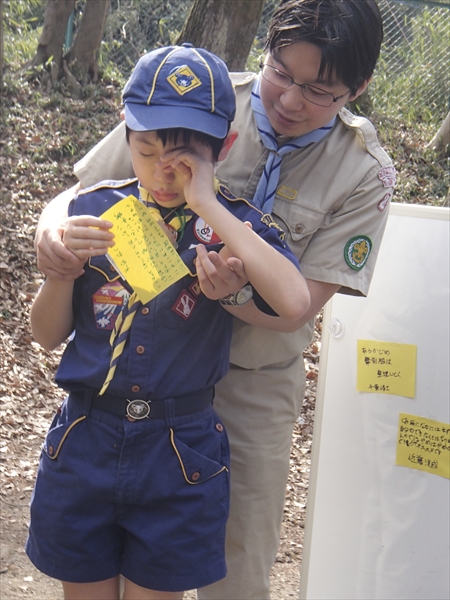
179 342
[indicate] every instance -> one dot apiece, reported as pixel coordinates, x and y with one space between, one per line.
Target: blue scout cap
180 86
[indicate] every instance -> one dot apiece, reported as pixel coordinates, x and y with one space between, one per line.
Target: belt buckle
138 409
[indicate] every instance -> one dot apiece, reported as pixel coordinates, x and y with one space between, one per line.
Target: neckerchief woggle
267 186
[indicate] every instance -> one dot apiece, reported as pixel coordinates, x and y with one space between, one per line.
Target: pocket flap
196 467
55 438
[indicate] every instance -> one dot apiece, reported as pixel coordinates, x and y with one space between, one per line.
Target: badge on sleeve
357 251
204 233
387 176
108 302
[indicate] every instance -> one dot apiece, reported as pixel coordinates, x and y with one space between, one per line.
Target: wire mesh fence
412 79
411 82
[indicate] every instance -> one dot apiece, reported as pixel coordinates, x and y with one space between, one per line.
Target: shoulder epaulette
367 132
108 184
225 193
239 79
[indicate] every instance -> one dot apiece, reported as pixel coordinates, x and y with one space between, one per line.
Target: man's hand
219 274
62 251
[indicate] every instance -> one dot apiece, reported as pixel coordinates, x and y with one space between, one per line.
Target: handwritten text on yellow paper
386 368
143 254
423 444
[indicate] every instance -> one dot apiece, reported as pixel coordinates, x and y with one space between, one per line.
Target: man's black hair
348 32
177 135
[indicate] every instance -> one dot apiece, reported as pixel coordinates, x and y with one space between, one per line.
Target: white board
375 529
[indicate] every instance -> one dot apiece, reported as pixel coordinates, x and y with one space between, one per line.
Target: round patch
205 233
357 251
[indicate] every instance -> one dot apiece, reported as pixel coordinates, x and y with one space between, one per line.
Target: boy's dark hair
348 32
175 135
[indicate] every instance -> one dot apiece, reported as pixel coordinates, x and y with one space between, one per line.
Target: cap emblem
183 80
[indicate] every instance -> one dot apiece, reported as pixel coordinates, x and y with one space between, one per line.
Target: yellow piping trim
64 438
103 272
213 99
172 441
237 199
114 186
157 73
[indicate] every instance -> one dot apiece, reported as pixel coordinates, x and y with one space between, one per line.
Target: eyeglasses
312 94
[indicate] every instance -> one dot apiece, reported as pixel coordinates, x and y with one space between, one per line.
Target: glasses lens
275 76
317 96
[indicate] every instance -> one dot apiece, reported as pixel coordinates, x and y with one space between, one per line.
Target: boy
330 190
133 477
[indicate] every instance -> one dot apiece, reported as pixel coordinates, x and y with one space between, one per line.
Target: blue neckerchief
267 186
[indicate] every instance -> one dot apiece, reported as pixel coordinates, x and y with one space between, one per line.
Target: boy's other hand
54 259
219 274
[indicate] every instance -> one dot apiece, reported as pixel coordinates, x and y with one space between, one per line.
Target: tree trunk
226 28
82 58
441 140
1 44
50 45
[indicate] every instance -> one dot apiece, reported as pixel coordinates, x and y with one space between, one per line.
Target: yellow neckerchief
175 218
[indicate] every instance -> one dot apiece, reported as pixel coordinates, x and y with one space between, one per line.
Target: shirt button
135 389
298 228
219 426
145 310
195 476
140 349
111 268
51 451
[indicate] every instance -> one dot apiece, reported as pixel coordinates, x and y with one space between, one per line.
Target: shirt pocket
299 220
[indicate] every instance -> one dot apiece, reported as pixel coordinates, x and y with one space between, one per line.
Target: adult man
327 182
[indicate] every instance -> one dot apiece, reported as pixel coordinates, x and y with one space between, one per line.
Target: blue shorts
147 499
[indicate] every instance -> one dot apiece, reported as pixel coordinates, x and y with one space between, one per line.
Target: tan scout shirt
329 193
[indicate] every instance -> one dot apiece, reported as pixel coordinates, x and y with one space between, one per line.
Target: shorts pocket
57 435
196 467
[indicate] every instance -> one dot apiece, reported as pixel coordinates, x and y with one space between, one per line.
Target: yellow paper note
143 254
423 444
386 368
